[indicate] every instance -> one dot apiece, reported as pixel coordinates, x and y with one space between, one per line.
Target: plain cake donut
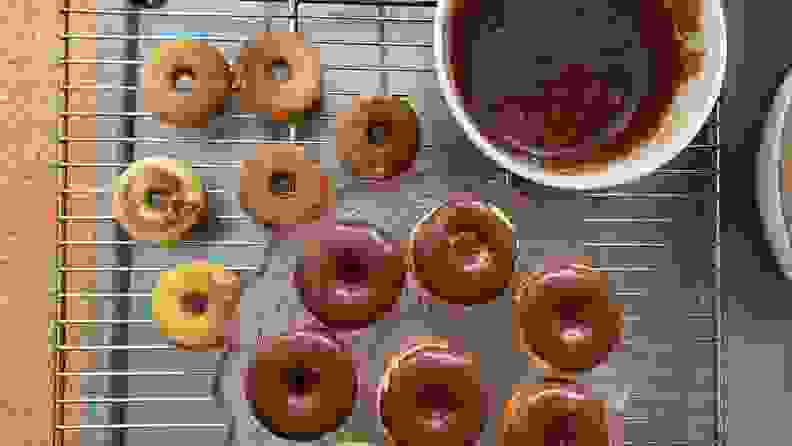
282 187
193 303
261 92
399 124
196 61
159 199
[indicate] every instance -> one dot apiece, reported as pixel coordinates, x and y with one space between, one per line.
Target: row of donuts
348 279
213 79
304 385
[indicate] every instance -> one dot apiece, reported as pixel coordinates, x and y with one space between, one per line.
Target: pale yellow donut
205 331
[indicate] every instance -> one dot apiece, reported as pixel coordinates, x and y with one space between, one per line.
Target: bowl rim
769 179
697 106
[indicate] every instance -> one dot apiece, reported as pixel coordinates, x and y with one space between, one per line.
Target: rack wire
127 142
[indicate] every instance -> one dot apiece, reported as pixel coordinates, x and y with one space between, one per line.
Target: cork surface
28 233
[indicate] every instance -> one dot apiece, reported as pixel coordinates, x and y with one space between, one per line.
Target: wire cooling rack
613 231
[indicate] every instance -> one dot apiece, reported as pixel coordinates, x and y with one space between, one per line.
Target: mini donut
552 413
564 320
193 303
304 385
463 253
182 200
351 276
303 199
211 83
260 92
400 146
431 395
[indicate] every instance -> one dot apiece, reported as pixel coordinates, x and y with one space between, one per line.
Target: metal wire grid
295 18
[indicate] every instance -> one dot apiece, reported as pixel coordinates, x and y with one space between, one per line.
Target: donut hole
351 269
300 381
280 70
561 431
283 184
156 199
376 134
195 304
182 81
571 325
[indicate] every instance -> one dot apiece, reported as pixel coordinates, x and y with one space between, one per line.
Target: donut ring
308 194
211 83
400 147
361 282
261 93
193 303
564 319
314 405
463 253
538 415
429 395
182 204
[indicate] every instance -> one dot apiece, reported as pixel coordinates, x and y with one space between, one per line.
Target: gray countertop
757 379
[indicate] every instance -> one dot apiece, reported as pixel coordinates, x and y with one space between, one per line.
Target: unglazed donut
304 385
211 83
463 253
193 303
260 92
431 395
553 413
351 275
399 123
304 198
563 318
182 200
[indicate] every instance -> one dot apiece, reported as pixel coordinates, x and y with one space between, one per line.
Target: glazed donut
551 413
159 199
463 253
400 145
431 395
350 276
193 60
193 303
261 92
564 320
304 197
304 386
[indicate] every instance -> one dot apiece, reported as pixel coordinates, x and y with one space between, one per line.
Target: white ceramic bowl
696 106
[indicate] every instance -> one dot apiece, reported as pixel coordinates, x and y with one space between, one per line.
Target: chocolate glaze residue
664 28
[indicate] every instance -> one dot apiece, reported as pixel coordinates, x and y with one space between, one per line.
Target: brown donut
313 405
550 413
574 299
308 193
430 395
351 275
261 93
211 82
400 146
463 254
182 200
